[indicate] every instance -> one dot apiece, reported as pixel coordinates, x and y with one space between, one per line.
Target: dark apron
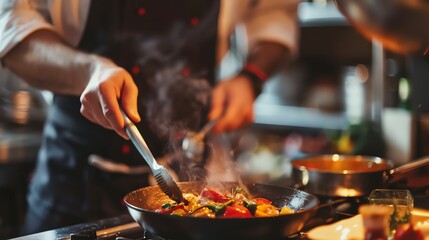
169 48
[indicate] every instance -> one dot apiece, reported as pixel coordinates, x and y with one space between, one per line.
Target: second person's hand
232 102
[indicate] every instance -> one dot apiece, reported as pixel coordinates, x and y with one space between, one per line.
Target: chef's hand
109 86
232 102
232 99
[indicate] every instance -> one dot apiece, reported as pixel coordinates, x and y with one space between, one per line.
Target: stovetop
124 227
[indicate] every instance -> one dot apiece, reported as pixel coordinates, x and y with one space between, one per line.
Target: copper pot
348 175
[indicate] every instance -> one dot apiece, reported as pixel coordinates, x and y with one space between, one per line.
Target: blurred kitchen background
343 94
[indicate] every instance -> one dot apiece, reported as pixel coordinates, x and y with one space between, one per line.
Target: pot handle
401 172
302 181
110 166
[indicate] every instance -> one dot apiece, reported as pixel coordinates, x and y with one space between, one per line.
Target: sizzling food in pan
212 204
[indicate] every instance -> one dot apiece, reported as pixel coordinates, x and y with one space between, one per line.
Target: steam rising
175 94
179 103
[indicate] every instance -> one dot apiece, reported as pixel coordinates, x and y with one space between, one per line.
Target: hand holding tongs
162 176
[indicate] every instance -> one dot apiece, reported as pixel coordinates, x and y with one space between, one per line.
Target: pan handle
401 172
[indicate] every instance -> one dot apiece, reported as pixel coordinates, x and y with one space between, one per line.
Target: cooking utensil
140 204
193 143
162 176
348 175
400 25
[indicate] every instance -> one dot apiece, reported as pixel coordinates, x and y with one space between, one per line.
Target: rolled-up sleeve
273 20
18 19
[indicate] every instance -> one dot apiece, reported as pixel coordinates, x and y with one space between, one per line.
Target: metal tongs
163 177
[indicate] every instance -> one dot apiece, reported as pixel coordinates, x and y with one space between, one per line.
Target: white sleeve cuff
17 25
276 24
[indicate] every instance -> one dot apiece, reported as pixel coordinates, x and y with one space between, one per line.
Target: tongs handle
209 126
139 142
206 129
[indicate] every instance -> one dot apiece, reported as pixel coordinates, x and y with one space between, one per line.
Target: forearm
45 61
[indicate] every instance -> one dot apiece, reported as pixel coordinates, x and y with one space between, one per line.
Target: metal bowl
400 25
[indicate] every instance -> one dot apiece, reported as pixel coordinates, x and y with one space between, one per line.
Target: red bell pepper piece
214 196
262 201
236 211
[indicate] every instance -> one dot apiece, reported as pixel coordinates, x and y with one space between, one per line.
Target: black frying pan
141 202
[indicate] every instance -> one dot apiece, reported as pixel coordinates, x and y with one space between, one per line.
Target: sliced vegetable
168 208
216 209
236 211
214 196
261 201
203 212
266 211
251 206
211 204
168 205
179 212
286 210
